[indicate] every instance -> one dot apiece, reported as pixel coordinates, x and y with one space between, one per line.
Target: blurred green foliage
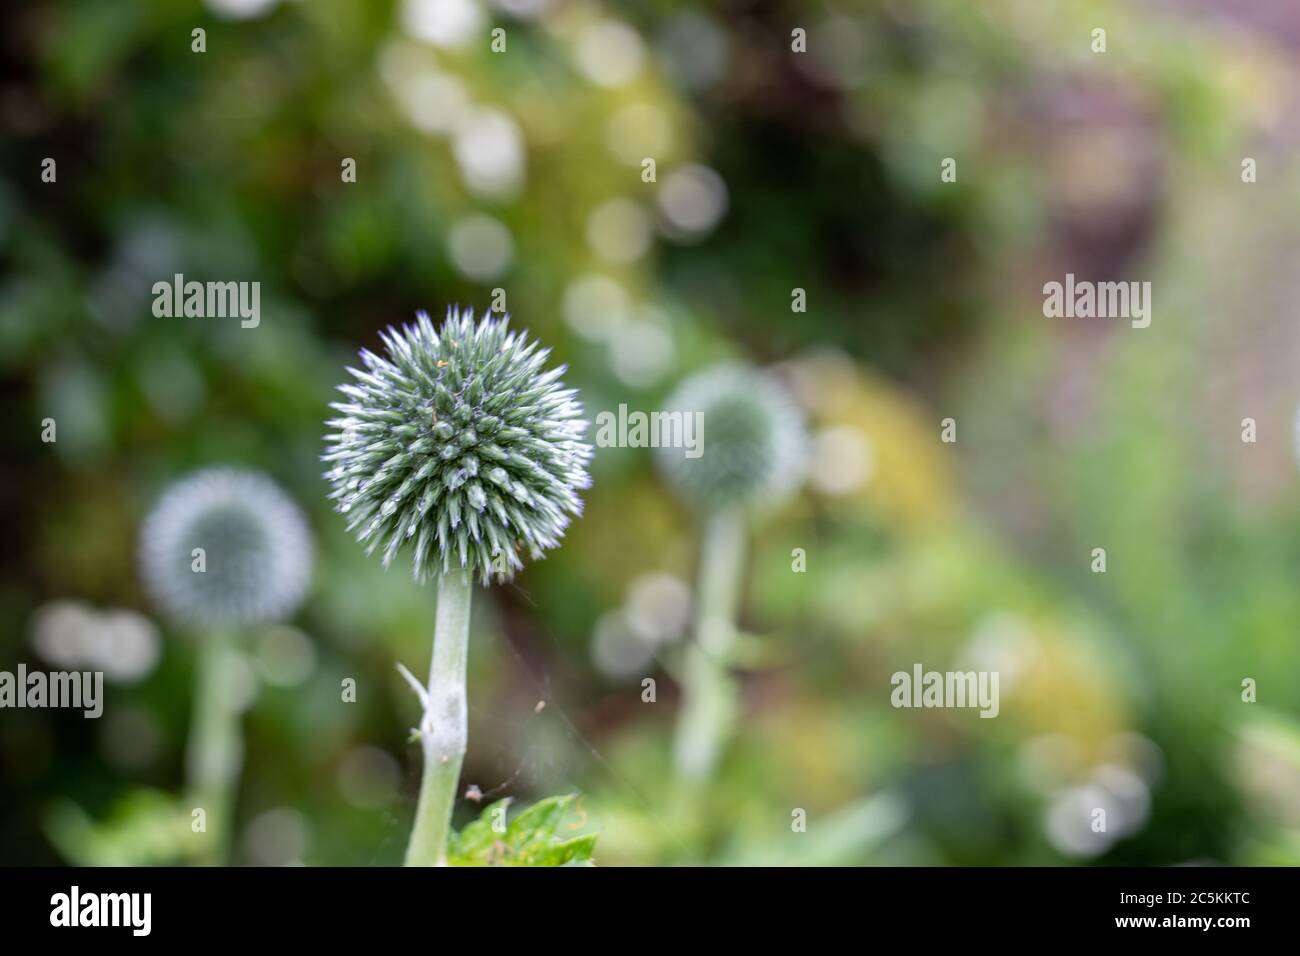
923 303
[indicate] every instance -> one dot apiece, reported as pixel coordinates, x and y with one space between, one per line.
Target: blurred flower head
226 547
755 445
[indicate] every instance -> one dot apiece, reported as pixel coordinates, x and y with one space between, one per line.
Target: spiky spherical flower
459 443
256 555
754 442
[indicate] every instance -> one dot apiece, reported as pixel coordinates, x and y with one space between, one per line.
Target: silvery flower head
460 444
754 442
256 557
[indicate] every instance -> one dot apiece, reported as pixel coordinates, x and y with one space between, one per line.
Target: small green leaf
476 839
573 852
529 839
537 824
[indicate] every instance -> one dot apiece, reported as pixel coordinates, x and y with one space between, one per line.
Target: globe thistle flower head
255 559
460 444
754 442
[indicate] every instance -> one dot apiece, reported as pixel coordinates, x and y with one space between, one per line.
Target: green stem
214 751
444 729
710 696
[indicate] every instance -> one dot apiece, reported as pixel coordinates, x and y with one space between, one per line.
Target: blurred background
775 171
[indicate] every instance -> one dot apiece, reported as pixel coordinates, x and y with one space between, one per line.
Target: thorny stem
214 751
443 728
710 703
